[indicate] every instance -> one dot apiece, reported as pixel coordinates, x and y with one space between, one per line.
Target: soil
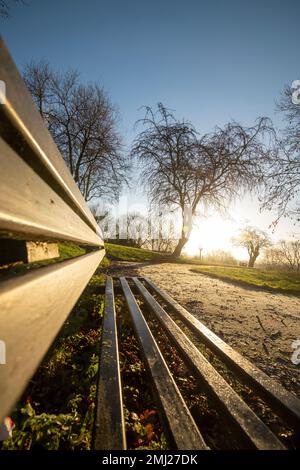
260 325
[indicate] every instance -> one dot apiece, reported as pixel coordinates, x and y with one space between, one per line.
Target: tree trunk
251 262
187 219
177 251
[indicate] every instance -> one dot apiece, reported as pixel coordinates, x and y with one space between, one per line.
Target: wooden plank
282 401
109 422
21 112
180 424
250 428
28 252
30 208
39 251
33 307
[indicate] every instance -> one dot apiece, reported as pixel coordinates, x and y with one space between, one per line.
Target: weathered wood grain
109 431
33 308
29 252
30 208
280 400
249 427
20 111
180 424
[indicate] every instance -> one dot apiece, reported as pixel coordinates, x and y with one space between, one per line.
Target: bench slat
282 401
180 423
250 428
33 307
35 211
109 421
20 111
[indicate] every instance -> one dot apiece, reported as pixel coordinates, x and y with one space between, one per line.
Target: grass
113 252
128 253
69 250
49 417
52 417
284 281
56 411
66 251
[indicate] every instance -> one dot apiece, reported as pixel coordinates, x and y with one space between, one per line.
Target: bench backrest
39 202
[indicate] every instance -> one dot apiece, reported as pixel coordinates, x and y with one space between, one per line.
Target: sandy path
260 325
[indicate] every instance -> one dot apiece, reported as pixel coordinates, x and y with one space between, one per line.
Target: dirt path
260 325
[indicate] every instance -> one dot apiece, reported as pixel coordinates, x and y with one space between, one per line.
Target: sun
210 234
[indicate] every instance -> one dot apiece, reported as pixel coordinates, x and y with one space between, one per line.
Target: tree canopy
254 240
283 182
83 123
181 169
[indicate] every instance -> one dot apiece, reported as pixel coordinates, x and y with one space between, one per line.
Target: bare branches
83 122
254 241
291 111
283 182
182 169
285 254
289 253
5 6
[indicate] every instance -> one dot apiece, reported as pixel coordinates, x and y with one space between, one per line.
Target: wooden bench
41 205
179 425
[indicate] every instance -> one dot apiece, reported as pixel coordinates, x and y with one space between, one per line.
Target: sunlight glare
213 233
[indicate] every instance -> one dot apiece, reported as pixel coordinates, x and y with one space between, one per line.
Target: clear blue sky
210 61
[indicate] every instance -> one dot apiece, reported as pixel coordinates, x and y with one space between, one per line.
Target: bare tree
163 245
163 232
283 182
137 229
222 257
129 229
101 212
291 109
83 123
5 6
254 240
289 253
272 257
182 169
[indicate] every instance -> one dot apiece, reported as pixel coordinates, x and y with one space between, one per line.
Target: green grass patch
69 250
198 262
283 281
128 253
66 251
